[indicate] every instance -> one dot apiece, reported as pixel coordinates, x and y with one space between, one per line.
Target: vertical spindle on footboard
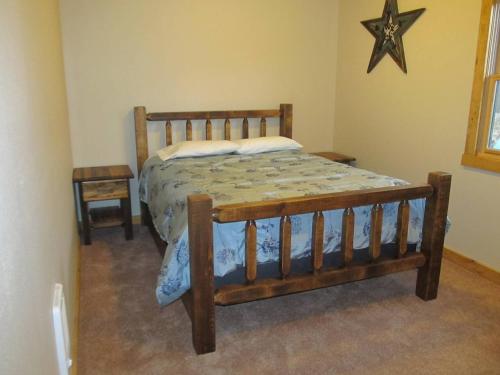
208 130
317 241
227 130
347 236
251 251
376 231
168 133
285 246
402 228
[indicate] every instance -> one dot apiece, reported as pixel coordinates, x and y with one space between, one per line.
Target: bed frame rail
201 215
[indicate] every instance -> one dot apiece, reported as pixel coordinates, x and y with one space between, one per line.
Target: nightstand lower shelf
105 217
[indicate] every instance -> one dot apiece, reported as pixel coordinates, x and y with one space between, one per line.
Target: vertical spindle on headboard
263 127
245 128
227 130
208 130
168 133
189 130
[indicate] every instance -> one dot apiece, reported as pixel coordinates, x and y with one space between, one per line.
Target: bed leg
436 210
202 273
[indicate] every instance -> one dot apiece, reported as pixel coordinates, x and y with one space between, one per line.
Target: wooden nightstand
335 156
100 184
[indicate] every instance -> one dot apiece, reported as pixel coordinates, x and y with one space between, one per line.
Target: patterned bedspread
164 186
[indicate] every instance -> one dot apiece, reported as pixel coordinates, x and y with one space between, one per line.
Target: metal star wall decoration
388 32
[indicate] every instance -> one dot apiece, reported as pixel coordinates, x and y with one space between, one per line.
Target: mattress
164 186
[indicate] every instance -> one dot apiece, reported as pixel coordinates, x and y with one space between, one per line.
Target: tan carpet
377 326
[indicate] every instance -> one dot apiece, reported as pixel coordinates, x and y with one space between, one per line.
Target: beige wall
195 55
408 125
37 228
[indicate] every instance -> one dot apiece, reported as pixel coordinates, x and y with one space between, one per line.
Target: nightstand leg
84 211
85 223
127 218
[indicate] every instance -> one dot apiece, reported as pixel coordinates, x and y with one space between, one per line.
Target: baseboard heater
61 331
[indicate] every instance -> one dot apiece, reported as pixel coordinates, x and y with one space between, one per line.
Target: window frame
476 153
491 96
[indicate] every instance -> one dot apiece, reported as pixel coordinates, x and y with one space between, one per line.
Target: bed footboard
202 298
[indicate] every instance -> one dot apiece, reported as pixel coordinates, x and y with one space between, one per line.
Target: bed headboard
285 113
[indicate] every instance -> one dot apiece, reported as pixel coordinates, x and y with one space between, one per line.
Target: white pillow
266 144
187 149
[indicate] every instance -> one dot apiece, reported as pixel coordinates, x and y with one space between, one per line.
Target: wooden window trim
492 84
475 155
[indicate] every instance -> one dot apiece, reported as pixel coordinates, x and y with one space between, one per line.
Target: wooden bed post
286 118
202 305
141 145
436 210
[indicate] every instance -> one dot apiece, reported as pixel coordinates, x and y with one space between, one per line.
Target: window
491 141
482 147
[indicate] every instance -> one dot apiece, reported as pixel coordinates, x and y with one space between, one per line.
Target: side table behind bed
101 184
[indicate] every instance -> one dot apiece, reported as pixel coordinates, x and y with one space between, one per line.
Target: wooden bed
200 301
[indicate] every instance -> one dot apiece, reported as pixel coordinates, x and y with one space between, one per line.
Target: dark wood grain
250 251
285 246
376 231
84 211
213 115
200 300
336 157
141 139
266 288
347 242
189 130
202 273
104 183
104 190
402 227
109 172
263 127
244 128
436 210
286 118
208 130
168 133
104 217
227 130
300 205
318 228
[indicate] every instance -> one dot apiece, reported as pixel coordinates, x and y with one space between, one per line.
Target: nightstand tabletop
108 172
335 156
